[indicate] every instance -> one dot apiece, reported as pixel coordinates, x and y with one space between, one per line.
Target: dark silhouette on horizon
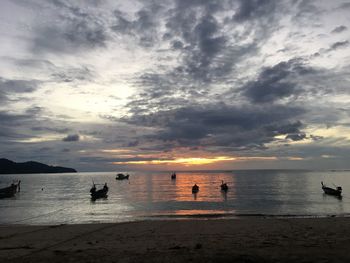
10 167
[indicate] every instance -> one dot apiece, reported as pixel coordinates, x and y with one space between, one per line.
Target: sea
65 198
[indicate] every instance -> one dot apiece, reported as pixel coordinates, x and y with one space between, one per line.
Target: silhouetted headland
10 167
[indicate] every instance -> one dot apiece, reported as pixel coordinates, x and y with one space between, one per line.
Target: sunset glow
202 161
183 161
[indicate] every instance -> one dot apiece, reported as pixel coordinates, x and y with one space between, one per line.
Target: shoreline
190 217
252 239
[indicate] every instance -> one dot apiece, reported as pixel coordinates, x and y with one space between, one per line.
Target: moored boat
101 193
122 177
224 186
195 189
331 191
11 190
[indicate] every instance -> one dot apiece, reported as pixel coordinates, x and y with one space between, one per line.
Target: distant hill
10 167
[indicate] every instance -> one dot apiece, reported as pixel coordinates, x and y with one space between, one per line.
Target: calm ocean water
65 198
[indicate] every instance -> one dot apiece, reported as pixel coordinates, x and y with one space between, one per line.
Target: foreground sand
241 240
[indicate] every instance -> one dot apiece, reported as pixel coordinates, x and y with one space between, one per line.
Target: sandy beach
239 240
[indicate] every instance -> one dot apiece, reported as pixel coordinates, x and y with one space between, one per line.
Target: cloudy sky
176 84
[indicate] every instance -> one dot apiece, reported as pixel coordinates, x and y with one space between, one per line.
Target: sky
176 84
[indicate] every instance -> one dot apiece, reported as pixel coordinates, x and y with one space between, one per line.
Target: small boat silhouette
122 177
11 190
195 189
101 193
331 191
224 186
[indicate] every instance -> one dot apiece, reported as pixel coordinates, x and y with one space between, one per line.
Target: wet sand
239 240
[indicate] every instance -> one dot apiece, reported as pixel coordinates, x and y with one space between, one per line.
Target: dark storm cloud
7 117
34 110
50 129
289 128
144 28
252 9
44 149
71 138
208 46
339 29
296 136
83 73
159 147
202 44
160 90
133 143
18 85
277 82
31 63
307 12
340 44
316 137
77 29
3 97
10 87
221 125
93 159
345 5
8 133
44 67
10 124
108 117
333 47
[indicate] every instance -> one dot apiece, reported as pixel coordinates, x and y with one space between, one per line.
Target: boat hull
331 191
99 194
224 188
7 195
9 191
195 189
122 177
